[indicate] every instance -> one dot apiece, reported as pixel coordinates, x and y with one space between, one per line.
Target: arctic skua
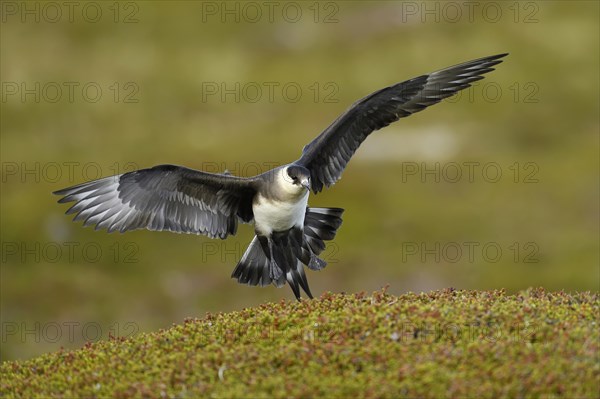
289 234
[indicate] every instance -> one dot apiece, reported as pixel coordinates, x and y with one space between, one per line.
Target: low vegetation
442 344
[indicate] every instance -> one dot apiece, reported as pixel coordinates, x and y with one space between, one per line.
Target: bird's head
298 175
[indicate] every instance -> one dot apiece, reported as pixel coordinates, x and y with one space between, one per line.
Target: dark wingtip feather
65 191
489 59
488 62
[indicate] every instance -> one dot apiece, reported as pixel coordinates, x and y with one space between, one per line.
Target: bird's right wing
327 156
165 197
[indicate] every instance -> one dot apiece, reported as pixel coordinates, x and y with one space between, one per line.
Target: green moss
442 344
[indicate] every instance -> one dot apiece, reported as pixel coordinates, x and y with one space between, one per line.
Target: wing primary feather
165 197
329 153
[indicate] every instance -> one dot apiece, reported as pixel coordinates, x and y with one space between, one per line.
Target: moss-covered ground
442 344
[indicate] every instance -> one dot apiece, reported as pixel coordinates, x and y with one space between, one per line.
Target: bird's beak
305 183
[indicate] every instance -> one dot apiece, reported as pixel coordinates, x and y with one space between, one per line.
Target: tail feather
302 279
296 277
254 267
321 224
293 279
282 256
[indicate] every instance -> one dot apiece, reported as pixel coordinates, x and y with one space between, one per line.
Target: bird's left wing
328 154
165 197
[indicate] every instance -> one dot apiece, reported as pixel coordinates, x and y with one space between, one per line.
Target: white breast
272 215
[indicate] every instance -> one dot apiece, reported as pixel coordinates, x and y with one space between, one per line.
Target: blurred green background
156 83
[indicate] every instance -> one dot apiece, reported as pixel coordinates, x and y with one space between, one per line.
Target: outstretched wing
328 154
164 197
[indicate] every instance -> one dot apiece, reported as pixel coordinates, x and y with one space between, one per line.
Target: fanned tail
282 256
255 267
320 225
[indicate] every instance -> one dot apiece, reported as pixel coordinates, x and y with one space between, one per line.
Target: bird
289 234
